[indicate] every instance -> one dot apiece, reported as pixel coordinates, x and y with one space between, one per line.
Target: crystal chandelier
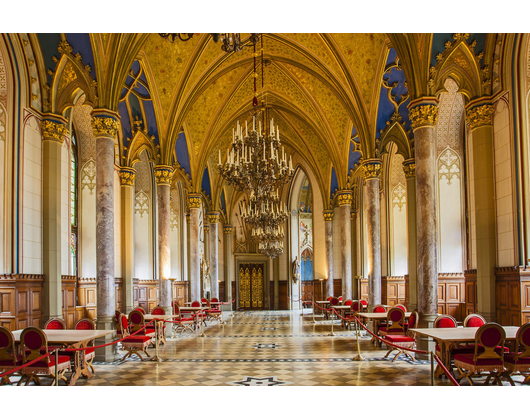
265 211
271 249
232 42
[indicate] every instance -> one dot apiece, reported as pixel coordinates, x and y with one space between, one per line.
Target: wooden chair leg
396 356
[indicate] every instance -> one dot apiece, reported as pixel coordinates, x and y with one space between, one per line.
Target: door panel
251 293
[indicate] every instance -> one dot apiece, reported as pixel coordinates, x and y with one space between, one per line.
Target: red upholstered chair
32 340
333 301
519 361
214 300
55 324
395 319
399 305
474 320
87 324
364 304
183 321
445 321
137 322
158 310
139 308
379 309
403 340
490 336
8 355
200 317
214 312
133 344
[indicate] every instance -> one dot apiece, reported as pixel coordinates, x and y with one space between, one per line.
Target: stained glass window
73 206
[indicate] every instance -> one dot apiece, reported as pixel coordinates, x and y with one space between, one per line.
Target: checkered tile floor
268 348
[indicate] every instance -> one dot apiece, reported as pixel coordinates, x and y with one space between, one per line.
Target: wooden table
377 317
72 339
342 309
448 338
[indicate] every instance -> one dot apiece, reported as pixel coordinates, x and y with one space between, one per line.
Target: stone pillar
105 125
480 122
276 281
127 176
194 204
53 133
227 229
409 167
206 256
371 172
423 118
188 254
355 283
163 176
344 199
213 218
328 226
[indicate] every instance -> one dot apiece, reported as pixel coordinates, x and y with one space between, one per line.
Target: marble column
227 229
423 118
213 218
206 256
344 198
127 176
163 176
479 117
194 204
409 167
355 283
188 254
53 134
105 126
371 172
328 226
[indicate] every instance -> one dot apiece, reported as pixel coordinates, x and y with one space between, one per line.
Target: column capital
353 216
194 201
127 176
53 128
227 229
105 123
409 167
479 116
371 168
163 174
423 112
206 228
188 220
213 217
328 215
344 198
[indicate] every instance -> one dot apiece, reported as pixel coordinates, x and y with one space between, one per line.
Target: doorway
251 295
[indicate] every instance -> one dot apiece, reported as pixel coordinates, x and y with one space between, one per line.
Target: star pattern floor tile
271 347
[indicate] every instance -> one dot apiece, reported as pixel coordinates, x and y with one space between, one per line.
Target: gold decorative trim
188 217
371 169
163 175
227 229
328 215
344 198
479 116
409 167
105 127
53 130
353 216
194 201
127 176
213 217
423 115
206 229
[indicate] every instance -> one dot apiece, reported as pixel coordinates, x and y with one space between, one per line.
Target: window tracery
88 177
141 203
448 166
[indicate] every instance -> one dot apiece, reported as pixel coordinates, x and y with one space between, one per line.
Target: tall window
73 206
305 216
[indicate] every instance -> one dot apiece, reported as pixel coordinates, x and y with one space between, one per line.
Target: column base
169 325
422 342
107 353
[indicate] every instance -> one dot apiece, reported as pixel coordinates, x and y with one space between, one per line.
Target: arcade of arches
411 182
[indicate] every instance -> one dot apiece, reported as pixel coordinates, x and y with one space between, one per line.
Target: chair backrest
139 308
340 298
205 302
523 340
33 340
379 309
158 310
136 319
490 336
348 302
414 319
329 298
364 303
399 305
123 325
55 324
85 324
7 345
356 306
474 320
214 300
395 319
334 301
195 304
445 321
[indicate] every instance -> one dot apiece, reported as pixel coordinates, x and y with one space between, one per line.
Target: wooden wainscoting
87 296
180 292
284 291
407 293
393 290
512 290
364 289
21 300
451 294
146 294
470 277
118 293
308 290
69 288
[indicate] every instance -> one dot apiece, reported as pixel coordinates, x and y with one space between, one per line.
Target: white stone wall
398 232
86 220
3 129
471 203
383 224
65 208
117 225
337 245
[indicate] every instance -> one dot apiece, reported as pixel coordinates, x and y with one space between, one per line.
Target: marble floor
266 348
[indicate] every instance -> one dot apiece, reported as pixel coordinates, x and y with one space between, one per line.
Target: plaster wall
117 225
471 204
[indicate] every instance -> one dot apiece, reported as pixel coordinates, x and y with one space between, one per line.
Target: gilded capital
409 167
479 116
206 229
53 130
227 229
328 215
344 198
213 217
127 176
423 116
371 168
163 175
188 220
194 201
353 216
105 126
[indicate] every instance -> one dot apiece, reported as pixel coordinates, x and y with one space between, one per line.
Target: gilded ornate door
251 286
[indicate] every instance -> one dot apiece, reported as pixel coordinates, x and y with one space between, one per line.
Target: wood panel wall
451 295
393 290
512 290
470 277
180 292
21 301
69 289
87 297
146 294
